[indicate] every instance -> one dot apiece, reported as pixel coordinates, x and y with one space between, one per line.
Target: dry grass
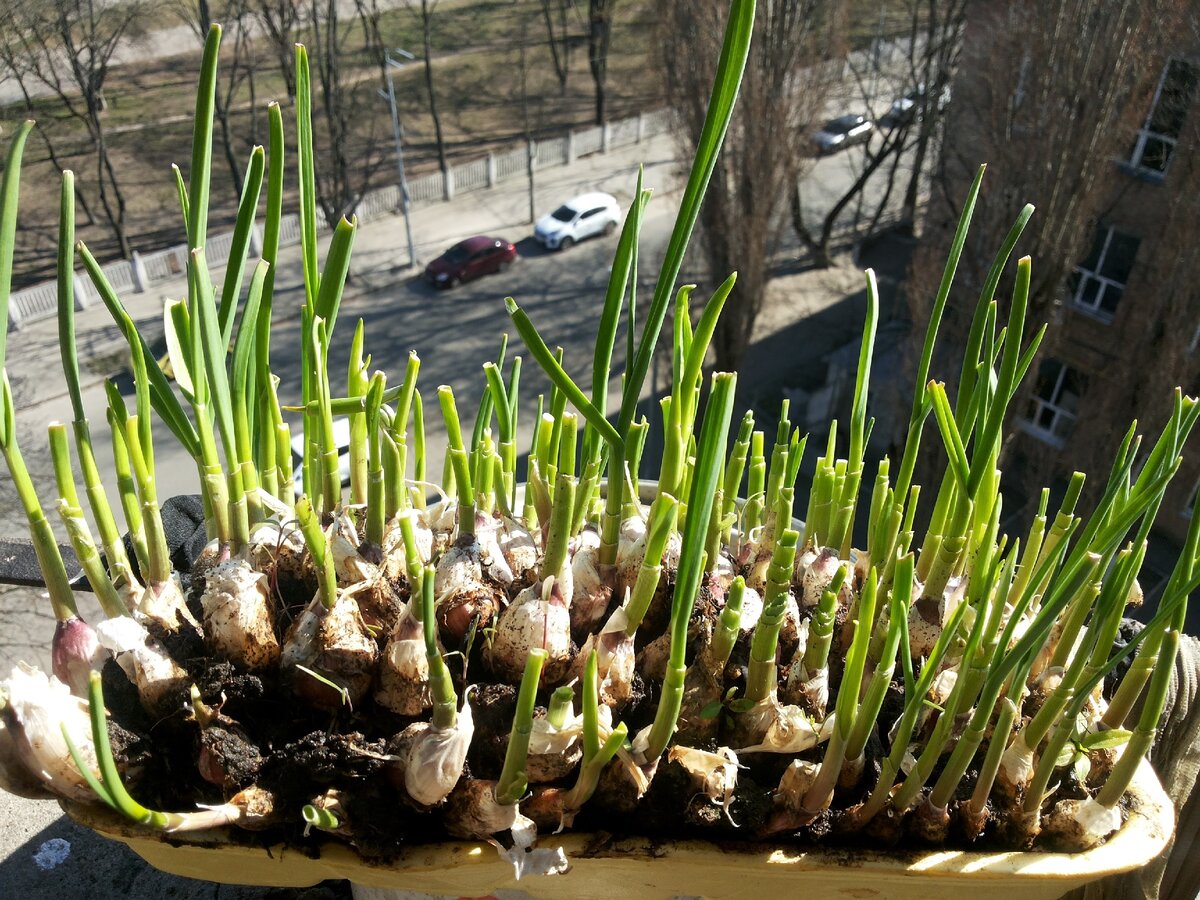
477 81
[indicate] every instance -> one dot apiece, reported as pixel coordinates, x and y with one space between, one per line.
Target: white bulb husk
1095 821
923 634
534 619
794 784
784 729
165 604
1016 763
715 774
491 557
238 618
436 757
334 643
631 547
393 537
404 670
43 706
525 857
616 661
458 570
344 541
818 575
546 739
275 539
519 549
144 660
752 607
804 559
487 817
590 593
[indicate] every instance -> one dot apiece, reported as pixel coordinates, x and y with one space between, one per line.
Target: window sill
1041 434
1149 176
1095 315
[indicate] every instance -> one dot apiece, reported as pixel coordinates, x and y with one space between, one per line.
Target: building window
1054 406
1098 282
1156 138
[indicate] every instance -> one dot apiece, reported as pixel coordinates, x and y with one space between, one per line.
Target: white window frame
1094 309
1145 134
1048 435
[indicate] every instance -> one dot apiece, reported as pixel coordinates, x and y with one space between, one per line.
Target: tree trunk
105 172
426 17
561 60
908 212
819 253
599 34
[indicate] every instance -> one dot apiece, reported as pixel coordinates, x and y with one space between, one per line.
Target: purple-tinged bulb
74 653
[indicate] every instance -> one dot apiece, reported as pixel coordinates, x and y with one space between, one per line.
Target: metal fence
511 163
655 123
119 274
623 133
40 301
166 264
289 230
378 203
552 152
588 141
427 188
33 303
471 176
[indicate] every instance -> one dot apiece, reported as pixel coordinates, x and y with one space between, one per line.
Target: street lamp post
398 134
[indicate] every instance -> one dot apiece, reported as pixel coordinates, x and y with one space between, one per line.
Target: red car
469 259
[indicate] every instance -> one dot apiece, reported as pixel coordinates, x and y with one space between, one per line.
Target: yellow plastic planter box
644 869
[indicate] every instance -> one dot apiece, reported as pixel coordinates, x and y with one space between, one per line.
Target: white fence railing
166 264
471 176
588 141
40 301
426 188
553 152
119 274
33 303
511 163
623 133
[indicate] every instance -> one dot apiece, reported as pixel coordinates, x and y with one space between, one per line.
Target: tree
350 125
426 16
600 19
236 70
559 38
783 93
67 46
931 54
932 63
278 21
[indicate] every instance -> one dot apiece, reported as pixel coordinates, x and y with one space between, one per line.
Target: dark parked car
469 259
842 132
908 107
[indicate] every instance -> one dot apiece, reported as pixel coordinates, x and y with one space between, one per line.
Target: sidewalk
380 249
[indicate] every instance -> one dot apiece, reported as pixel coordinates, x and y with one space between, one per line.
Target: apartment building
1107 145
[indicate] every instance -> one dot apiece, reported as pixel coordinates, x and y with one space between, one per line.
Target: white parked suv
580 217
341 436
